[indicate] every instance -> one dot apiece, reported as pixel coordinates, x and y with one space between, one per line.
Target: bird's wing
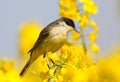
44 34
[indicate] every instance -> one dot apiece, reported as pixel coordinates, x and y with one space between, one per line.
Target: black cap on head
69 22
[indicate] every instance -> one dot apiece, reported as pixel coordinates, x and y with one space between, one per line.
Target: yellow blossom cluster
8 73
89 6
81 11
71 70
61 67
69 9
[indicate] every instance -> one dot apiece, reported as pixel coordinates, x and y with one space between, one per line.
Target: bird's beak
76 31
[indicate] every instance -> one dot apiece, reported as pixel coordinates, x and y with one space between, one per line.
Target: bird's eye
69 22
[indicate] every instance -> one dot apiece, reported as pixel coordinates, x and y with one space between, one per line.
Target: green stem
83 40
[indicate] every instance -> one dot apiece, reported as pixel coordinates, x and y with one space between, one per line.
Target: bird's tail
26 67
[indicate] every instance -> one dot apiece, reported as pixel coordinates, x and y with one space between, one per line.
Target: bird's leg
52 61
44 55
48 66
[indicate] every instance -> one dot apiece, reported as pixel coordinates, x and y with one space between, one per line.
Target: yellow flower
92 73
7 71
46 80
6 65
94 26
64 50
84 21
74 74
92 36
29 33
68 8
90 7
63 70
75 36
53 56
60 78
51 72
95 48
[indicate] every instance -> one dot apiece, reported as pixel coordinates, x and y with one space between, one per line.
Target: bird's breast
54 43
56 39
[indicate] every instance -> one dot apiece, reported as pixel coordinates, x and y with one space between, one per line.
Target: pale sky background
15 12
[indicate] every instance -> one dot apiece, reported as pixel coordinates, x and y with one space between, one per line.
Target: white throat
62 28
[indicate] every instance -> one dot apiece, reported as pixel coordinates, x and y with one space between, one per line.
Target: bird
50 39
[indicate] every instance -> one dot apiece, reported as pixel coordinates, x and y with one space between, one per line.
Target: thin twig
83 40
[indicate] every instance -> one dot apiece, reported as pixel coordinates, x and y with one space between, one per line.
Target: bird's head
67 23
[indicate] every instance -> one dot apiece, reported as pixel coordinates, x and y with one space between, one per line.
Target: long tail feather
26 67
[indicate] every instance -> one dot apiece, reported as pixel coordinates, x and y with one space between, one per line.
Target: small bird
51 39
